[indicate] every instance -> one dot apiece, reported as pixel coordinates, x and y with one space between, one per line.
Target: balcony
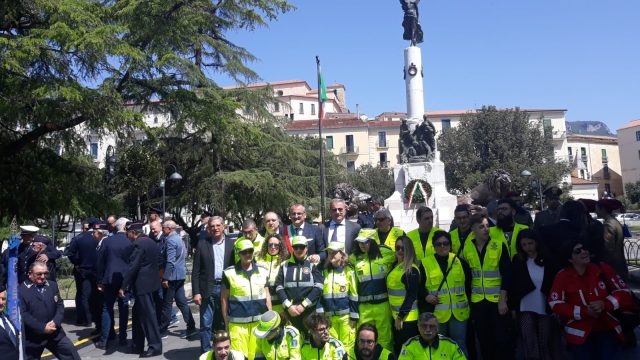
349 150
584 158
382 144
559 135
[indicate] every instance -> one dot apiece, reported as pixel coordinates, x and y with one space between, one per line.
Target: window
351 165
446 124
382 139
569 150
350 145
583 151
93 149
313 109
276 107
301 110
605 172
637 135
546 123
329 142
581 174
604 154
383 160
607 189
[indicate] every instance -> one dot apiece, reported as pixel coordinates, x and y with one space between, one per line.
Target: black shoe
151 353
189 333
122 342
100 345
164 335
174 323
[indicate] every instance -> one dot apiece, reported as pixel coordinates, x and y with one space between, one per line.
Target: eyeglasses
299 247
577 251
366 341
275 246
41 273
322 330
399 248
246 252
441 244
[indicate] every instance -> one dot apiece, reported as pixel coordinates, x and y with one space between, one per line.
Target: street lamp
535 183
175 177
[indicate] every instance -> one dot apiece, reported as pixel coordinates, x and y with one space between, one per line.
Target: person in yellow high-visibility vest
222 348
271 256
403 285
244 298
422 237
506 228
275 340
490 266
250 232
385 232
462 231
429 344
447 295
372 263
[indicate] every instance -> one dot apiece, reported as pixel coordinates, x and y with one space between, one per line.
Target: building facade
597 159
629 143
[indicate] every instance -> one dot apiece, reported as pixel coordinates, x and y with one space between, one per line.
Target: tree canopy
632 192
493 139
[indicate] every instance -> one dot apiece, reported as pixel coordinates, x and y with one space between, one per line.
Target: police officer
367 347
142 278
42 310
276 341
299 284
385 233
429 344
83 255
320 345
244 297
222 348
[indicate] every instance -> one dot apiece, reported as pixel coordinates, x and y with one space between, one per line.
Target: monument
419 176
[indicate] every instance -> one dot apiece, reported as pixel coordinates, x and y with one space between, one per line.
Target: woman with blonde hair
403 284
271 256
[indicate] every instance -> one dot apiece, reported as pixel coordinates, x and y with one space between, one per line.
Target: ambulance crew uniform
276 341
332 350
270 264
403 291
441 348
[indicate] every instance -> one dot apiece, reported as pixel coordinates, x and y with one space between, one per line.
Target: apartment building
629 142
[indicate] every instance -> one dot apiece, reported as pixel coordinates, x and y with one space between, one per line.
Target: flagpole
320 139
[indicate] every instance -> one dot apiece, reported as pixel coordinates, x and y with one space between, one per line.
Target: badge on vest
305 270
343 288
494 246
294 343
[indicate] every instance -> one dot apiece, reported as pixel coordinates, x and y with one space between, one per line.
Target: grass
67 286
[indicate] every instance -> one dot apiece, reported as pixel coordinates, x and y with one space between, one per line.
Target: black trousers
57 343
85 287
494 331
409 330
145 323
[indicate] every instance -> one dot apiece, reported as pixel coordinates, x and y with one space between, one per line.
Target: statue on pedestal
420 145
411 23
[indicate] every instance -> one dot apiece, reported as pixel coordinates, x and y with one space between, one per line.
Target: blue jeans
175 291
209 307
598 346
110 298
456 330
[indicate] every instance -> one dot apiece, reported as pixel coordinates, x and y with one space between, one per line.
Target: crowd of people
351 288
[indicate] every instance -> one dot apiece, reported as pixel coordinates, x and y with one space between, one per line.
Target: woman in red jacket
585 295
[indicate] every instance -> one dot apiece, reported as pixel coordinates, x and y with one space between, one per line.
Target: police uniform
246 301
40 304
286 345
331 350
83 255
422 251
441 348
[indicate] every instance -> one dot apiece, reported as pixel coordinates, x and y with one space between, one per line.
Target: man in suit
42 310
142 278
34 247
299 226
9 340
212 256
112 264
336 229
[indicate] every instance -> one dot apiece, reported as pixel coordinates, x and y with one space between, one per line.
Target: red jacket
571 293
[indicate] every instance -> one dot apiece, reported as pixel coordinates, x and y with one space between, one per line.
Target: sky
582 56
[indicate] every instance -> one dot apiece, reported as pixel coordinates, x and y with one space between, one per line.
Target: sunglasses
399 248
277 246
246 252
441 244
299 247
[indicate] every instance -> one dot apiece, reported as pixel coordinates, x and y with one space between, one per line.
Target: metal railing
632 252
349 150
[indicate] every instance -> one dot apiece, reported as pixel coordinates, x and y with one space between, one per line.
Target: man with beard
507 228
367 347
222 348
320 345
429 344
551 214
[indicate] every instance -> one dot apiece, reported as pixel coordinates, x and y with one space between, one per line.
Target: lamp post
175 177
536 183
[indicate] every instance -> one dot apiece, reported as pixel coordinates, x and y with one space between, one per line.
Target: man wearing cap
336 229
551 214
386 234
142 278
222 349
276 341
244 298
42 311
299 284
112 264
212 256
613 236
320 345
9 339
422 237
429 344
83 255
33 248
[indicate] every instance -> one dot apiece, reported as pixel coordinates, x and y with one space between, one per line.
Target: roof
579 181
630 124
326 124
592 138
263 84
433 113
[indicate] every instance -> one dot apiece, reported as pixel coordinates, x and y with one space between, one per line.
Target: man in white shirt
336 229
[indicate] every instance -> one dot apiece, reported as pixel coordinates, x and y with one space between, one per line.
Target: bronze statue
419 146
411 23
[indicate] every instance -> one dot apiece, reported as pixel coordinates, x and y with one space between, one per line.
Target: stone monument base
440 201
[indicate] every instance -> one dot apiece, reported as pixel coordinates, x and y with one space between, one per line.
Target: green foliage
632 192
375 181
494 139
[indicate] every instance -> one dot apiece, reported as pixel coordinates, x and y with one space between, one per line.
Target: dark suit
322 237
52 253
83 255
112 264
309 231
144 279
205 284
38 306
8 347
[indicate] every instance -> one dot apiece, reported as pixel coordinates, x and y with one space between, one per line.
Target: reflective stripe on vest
486 280
452 296
370 275
397 293
335 292
247 298
390 241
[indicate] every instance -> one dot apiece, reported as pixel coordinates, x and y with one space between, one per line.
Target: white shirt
535 300
3 318
218 259
340 237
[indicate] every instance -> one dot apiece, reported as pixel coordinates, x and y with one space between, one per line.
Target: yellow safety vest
441 348
257 246
486 278
394 234
270 263
288 348
421 252
340 293
397 292
233 355
247 298
452 295
497 233
371 275
456 242
332 350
